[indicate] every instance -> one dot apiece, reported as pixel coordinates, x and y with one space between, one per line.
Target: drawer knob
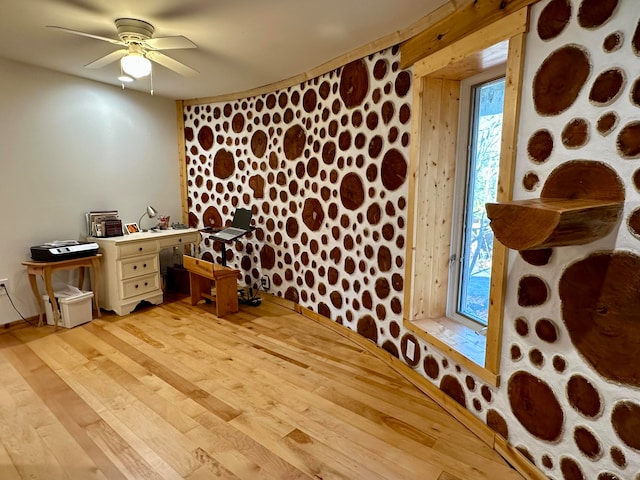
135 267
137 285
139 249
146 283
144 265
179 240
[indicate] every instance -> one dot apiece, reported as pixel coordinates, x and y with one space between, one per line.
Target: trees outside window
477 173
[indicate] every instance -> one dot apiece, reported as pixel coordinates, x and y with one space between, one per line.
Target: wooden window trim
431 177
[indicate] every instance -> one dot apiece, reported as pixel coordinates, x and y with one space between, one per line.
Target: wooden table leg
52 297
226 295
34 288
95 280
194 285
81 277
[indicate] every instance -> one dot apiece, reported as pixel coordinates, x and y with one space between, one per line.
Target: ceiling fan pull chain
151 81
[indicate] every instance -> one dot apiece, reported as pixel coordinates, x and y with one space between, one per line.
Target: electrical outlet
265 283
4 286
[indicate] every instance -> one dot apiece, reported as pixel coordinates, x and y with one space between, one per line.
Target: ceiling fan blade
169 43
90 35
83 5
107 59
171 64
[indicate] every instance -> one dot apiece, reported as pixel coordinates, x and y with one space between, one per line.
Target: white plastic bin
75 308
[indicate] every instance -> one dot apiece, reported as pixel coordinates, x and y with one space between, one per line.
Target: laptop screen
242 218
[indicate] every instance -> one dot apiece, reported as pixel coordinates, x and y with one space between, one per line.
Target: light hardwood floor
174 392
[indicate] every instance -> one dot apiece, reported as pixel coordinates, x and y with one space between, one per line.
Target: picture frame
130 228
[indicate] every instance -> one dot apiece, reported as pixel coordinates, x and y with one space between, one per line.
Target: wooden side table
45 270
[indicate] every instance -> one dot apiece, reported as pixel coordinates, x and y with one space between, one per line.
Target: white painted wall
67 146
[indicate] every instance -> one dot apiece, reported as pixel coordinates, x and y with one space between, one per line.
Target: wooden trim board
182 159
470 17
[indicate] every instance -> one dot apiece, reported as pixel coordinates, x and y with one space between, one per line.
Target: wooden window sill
459 342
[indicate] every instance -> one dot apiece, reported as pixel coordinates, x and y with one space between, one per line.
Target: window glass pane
482 183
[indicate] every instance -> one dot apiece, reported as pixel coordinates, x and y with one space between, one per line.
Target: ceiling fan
139 48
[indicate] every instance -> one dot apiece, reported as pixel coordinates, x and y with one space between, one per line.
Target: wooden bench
203 276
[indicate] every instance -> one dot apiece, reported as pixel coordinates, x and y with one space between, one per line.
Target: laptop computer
240 225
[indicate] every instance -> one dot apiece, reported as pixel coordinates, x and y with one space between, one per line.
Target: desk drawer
139 286
193 237
137 266
137 248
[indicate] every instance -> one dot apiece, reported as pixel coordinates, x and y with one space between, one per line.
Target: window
476 183
432 279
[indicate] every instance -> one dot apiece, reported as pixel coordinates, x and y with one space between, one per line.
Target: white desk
131 267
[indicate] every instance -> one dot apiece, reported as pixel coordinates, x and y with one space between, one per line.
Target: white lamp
151 212
135 64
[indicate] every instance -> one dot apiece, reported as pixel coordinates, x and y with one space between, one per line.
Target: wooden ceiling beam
472 15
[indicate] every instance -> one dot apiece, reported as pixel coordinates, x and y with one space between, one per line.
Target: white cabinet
131 267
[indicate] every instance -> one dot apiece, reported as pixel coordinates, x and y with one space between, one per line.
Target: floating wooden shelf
552 222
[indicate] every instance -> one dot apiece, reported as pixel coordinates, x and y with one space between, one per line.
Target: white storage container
75 308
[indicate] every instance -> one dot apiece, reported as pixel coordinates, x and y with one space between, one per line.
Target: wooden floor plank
314 382
380 417
112 453
359 404
174 392
222 437
8 470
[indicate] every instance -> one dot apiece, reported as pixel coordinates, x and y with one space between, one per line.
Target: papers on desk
61 243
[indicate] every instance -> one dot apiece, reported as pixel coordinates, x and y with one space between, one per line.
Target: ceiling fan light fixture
138 49
136 65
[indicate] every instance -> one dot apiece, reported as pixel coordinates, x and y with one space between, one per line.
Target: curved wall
323 165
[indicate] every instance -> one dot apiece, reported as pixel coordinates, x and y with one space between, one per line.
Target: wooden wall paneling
433 165
413 285
509 140
470 17
479 43
433 161
447 133
487 59
423 272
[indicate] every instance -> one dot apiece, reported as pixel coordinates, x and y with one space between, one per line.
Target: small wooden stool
204 275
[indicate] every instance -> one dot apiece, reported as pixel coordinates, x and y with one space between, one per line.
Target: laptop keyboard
229 233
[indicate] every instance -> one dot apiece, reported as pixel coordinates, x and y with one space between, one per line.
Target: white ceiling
242 44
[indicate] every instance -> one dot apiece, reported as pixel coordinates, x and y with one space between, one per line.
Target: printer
63 250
